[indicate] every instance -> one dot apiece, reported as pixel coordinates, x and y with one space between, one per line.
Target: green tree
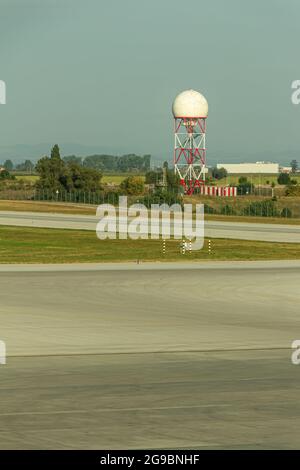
173 181
219 173
8 165
5 175
51 171
133 185
146 162
294 165
55 153
73 159
78 178
156 177
153 177
28 166
244 186
56 175
284 178
242 180
113 163
101 162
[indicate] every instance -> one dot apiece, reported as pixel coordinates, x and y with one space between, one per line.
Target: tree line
104 163
113 163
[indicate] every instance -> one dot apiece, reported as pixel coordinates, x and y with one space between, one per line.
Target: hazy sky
105 73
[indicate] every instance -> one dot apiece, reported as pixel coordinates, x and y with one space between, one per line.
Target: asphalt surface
213 229
150 356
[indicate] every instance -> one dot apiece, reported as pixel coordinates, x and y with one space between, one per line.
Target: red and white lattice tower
190 111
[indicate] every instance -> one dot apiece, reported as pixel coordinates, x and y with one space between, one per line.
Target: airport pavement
213 229
150 357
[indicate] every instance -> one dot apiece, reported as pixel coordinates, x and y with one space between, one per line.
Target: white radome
190 104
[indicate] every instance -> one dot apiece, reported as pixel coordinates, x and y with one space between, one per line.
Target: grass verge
40 245
53 207
84 209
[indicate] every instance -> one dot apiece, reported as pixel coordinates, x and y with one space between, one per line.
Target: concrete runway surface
150 357
213 229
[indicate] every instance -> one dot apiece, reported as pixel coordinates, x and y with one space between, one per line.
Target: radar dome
190 104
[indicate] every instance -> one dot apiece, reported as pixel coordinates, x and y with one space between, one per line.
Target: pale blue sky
104 74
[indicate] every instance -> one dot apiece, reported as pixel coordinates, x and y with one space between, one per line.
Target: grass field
230 179
106 178
254 179
39 245
31 178
240 204
53 207
117 179
84 209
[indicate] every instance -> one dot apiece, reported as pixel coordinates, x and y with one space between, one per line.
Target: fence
83 197
285 207
253 207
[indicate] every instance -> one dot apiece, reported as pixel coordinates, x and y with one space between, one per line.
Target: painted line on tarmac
173 351
116 410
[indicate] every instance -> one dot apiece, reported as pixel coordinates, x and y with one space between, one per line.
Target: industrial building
250 168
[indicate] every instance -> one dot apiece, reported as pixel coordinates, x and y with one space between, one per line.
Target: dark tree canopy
25 166
244 186
8 165
133 185
123 164
156 177
55 174
294 166
73 159
219 173
284 178
5 175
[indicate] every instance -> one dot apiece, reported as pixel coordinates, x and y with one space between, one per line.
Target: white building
250 168
285 169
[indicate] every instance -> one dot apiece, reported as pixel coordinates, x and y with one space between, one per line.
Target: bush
161 197
286 212
292 190
219 173
265 208
227 210
284 178
244 186
5 175
133 185
153 177
209 209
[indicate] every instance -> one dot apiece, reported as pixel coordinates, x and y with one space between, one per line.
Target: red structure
221 191
190 152
190 111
